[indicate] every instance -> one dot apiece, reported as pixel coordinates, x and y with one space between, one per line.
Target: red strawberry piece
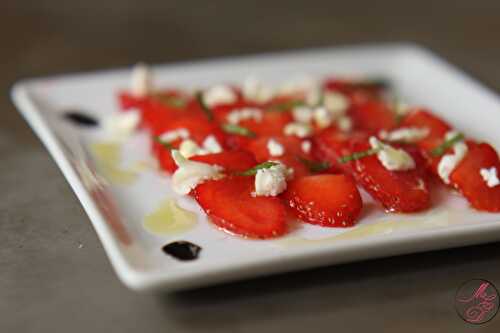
373 116
231 161
397 191
467 178
272 123
332 144
326 200
230 205
422 118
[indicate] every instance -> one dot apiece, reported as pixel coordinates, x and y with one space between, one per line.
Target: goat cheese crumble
237 115
300 130
142 80
275 148
171 136
449 162
217 95
256 91
122 124
270 181
490 176
191 173
393 159
405 134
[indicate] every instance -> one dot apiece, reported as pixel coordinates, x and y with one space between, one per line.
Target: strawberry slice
230 205
467 178
397 191
231 161
326 200
373 116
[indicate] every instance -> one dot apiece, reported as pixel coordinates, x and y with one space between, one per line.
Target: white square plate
117 195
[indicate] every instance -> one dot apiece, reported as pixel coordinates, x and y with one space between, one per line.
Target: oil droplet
169 219
182 250
108 159
384 227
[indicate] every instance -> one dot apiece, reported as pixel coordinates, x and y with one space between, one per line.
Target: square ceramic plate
120 187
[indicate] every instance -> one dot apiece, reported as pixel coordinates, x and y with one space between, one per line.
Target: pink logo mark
477 301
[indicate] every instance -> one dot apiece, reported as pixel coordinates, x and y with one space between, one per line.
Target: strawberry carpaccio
253 155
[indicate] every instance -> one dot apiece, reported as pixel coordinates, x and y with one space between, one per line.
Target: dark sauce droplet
81 119
182 250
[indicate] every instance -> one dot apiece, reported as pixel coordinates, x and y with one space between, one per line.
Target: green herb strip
285 106
208 112
314 166
238 130
163 143
442 148
358 155
253 171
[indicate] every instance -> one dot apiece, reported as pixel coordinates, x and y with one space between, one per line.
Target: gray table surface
54 275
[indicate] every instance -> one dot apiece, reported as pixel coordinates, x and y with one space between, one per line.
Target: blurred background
40 238
58 36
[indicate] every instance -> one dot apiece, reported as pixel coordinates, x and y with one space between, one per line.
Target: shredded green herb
358 155
238 130
442 148
163 143
253 171
174 101
314 166
208 112
285 106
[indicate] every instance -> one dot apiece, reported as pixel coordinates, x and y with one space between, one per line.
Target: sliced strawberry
326 200
231 161
397 191
230 205
373 116
272 123
332 144
467 178
422 118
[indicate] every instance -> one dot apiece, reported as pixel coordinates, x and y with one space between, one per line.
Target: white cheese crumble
298 85
171 136
142 80
217 95
405 134
212 145
298 129
191 173
275 148
189 148
256 91
392 158
335 102
237 115
449 162
490 176
122 124
344 123
322 117
270 181
302 114
306 146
